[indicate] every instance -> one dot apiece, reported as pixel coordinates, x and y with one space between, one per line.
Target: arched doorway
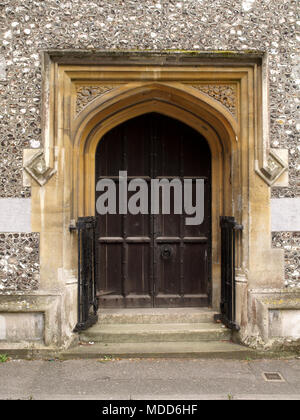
83 102
154 260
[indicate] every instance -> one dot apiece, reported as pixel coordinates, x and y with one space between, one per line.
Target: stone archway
222 100
218 131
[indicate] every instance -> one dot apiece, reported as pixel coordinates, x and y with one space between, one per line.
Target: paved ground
150 379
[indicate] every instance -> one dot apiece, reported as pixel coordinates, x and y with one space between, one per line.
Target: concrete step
156 315
204 350
142 333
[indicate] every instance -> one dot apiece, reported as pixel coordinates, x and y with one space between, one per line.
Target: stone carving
226 94
85 94
38 169
273 168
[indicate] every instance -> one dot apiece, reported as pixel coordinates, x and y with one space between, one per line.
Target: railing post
87 300
228 262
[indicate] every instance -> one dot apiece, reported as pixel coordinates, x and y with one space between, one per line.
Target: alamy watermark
138 203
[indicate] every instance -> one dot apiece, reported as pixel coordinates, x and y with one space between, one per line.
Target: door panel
153 260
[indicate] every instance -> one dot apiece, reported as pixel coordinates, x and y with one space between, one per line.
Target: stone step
142 333
202 349
156 315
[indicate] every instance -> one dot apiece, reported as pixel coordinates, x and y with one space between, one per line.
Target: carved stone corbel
273 168
37 168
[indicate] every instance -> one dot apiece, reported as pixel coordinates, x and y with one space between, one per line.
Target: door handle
166 252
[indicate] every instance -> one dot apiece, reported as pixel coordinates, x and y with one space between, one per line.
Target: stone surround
30 26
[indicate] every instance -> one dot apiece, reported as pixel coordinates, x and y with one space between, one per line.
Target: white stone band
15 215
285 214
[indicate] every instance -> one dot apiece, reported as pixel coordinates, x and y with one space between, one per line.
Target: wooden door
153 260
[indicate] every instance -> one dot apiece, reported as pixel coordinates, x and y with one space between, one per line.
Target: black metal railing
87 300
229 228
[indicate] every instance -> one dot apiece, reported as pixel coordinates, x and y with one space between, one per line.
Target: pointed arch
107 111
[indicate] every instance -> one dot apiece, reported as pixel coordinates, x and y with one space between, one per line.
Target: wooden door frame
109 298
219 166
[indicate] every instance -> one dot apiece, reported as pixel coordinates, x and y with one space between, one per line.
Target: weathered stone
217 28
15 328
285 214
15 215
19 269
80 24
